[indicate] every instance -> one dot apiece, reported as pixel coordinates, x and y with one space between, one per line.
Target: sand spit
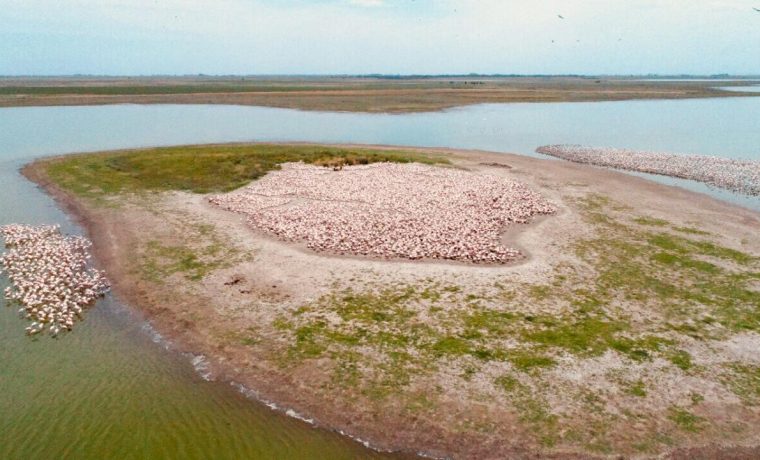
741 176
387 210
49 276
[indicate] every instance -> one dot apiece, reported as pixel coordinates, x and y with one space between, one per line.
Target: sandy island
630 328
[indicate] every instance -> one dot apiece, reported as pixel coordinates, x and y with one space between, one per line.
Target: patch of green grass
200 169
667 242
691 231
469 372
594 202
652 442
451 346
666 258
651 221
586 336
681 359
527 361
685 420
711 249
383 307
392 375
535 413
492 322
539 291
248 336
167 260
347 372
669 272
161 261
282 324
640 348
419 403
592 402
250 341
585 301
194 250
696 398
690 330
744 381
307 343
507 383
637 388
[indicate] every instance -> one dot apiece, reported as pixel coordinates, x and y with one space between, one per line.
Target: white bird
49 275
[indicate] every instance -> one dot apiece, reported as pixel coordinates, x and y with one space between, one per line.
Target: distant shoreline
369 94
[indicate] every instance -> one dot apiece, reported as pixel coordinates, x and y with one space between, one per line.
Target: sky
150 37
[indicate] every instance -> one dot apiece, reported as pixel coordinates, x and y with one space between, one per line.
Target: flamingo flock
389 210
740 176
49 276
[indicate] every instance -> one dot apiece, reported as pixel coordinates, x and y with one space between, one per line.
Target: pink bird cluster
389 210
49 276
741 176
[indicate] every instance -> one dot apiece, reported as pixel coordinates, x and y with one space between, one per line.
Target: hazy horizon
389 37
389 76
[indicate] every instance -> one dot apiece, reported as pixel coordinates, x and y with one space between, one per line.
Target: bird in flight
756 9
562 17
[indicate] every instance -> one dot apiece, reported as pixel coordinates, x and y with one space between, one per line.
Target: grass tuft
685 420
744 381
637 388
681 359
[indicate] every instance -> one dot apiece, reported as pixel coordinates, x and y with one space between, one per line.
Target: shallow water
743 89
108 390
722 127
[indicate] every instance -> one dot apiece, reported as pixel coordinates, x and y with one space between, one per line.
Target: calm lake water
109 390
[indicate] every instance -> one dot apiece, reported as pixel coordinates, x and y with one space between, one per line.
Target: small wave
360 441
202 367
155 336
294 414
255 395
